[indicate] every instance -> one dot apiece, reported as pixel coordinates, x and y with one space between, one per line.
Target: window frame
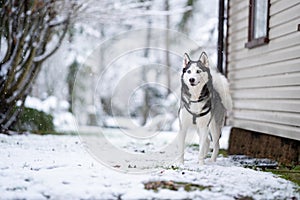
252 41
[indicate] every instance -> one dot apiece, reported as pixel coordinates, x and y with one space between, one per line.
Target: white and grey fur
205 98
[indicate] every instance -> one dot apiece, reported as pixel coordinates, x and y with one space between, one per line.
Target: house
263 66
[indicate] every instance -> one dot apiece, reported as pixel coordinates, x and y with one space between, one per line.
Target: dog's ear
186 59
204 59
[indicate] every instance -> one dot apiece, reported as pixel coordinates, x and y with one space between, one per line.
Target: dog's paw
201 162
180 161
180 164
212 160
209 162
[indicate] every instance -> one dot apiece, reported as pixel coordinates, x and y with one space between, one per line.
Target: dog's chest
197 107
187 118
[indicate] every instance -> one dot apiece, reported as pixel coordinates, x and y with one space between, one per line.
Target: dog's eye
198 71
189 71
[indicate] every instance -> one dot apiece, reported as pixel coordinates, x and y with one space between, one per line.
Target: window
258 23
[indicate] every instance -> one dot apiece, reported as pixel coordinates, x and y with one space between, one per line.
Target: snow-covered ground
59 167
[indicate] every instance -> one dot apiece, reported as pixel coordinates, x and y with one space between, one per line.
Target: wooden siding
265 81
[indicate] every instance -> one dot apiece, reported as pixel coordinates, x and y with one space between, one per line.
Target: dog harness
195 116
205 95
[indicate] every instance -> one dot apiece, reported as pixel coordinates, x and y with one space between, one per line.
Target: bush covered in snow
46 115
34 120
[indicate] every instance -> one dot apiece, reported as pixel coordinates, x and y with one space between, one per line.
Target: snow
64 167
59 167
224 140
46 106
63 120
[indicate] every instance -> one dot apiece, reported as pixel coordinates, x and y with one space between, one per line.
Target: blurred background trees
45 43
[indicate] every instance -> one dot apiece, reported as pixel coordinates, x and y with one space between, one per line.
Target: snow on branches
31 31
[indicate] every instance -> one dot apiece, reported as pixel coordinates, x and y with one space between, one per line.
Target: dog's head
195 73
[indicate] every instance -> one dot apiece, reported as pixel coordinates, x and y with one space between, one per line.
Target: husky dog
205 98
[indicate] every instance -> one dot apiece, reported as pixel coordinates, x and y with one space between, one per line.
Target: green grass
34 121
291 174
241 197
53 133
195 147
173 167
174 185
223 152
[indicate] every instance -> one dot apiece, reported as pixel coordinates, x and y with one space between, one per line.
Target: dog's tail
221 85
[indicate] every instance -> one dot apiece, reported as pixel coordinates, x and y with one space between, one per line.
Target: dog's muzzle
192 82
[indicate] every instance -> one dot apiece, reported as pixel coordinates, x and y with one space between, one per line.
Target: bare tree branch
28 29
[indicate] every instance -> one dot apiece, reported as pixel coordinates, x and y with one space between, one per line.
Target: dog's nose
192 80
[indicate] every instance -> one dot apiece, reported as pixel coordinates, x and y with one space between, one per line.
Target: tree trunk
146 108
167 51
27 28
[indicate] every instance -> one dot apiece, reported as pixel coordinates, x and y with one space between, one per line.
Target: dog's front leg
203 144
215 132
181 143
181 140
